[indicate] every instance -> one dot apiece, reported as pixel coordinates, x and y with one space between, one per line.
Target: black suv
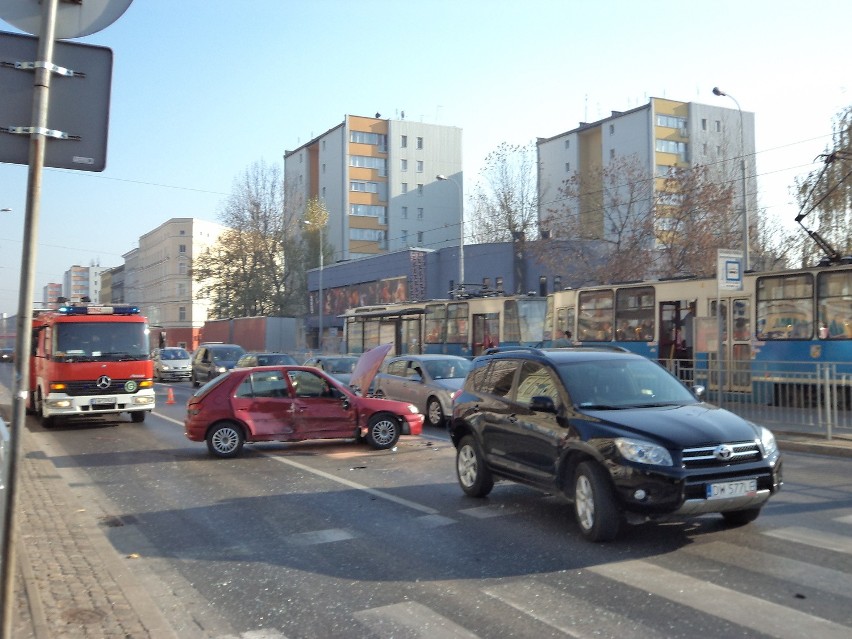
212 359
614 432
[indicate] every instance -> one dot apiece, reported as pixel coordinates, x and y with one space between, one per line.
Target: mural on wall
339 299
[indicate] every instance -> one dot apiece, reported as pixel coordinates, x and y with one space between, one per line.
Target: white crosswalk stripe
411 620
815 538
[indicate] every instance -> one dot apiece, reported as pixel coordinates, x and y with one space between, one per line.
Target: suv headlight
643 452
767 442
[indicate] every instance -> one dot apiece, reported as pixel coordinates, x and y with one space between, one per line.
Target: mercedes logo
103 382
723 452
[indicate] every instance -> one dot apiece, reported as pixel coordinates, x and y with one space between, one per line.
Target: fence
807 397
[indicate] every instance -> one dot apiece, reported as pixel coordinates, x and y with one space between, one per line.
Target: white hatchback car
172 364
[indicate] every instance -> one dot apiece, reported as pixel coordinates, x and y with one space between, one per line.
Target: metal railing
806 397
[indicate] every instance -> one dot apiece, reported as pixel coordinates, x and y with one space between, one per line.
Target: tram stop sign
78 108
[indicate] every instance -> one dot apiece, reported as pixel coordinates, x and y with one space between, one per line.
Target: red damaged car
295 403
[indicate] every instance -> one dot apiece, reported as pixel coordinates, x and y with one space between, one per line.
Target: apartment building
378 180
79 282
660 135
158 278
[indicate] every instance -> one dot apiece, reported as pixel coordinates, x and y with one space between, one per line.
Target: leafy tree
825 197
255 268
505 201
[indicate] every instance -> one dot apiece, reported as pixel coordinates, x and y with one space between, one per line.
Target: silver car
171 363
427 381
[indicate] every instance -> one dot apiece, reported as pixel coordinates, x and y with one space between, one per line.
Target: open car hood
367 367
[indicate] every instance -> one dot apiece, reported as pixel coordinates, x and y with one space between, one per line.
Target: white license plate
728 489
99 401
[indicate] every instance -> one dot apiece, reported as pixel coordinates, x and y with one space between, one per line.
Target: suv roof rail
503 349
599 346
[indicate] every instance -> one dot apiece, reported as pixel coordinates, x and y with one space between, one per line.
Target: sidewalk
71 582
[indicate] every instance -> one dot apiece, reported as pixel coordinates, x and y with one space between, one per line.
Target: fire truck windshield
100 341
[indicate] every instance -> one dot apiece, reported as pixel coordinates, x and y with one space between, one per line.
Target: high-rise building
659 135
158 278
81 282
378 180
51 294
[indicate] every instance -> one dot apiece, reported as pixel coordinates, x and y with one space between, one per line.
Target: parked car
427 381
213 359
7 355
292 403
171 363
614 432
338 366
249 360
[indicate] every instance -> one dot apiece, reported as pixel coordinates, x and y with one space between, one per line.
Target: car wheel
741 517
594 503
474 477
434 412
383 431
225 440
138 416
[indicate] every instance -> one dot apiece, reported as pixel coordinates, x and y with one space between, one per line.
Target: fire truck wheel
46 421
138 416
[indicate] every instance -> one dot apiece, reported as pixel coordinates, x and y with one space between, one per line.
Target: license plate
728 489
100 401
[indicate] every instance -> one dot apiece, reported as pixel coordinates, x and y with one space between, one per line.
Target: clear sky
203 89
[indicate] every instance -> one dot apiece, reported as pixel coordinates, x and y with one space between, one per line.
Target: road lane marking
410 620
351 484
566 613
486 512
316 537
739 608
815 538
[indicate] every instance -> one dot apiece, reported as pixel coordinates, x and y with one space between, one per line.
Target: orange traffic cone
170 398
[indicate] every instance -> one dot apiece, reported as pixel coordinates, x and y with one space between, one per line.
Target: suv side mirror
542 404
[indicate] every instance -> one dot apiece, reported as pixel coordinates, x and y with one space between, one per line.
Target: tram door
736 344
674 351
485 332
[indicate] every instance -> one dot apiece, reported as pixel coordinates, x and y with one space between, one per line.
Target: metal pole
23 339
746 264
321 309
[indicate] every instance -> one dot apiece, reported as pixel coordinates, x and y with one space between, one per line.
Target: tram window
523 321
511 325
355 336
634 314
457 331
785 307
742 321
435 324
834 301
595 316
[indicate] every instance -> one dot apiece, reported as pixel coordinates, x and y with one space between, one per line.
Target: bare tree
611 207
825 197
505 201
256 266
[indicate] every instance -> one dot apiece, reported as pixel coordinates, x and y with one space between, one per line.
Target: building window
671 146
718 126
364 187
419 143
369 162
181 268
369 210
420 166
181 290
568 144
703 124
403 141
323 168
403 165
323 192
182 232
612 154
182 248
405 187
181 313
420 237
671 121
365 137
419 189
405 237
611 129
567 167
404 212
704 148
420 213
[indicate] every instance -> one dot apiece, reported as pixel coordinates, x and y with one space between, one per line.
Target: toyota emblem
103 382
723 452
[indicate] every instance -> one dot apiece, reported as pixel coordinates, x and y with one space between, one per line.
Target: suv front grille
706 457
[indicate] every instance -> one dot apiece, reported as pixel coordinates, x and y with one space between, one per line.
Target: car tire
225 440
195 382
474 477
434 412
383 431
594 503
741 517
138 416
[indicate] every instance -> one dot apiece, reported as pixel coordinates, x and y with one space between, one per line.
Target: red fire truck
90 360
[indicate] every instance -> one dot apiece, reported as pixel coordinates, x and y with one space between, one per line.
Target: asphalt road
334 539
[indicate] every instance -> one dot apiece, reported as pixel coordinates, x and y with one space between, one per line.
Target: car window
269 384
307 384
536 380
398 368
340 365
498 380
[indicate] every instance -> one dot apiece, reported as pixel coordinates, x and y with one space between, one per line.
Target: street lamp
461 228
320 309
719 92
